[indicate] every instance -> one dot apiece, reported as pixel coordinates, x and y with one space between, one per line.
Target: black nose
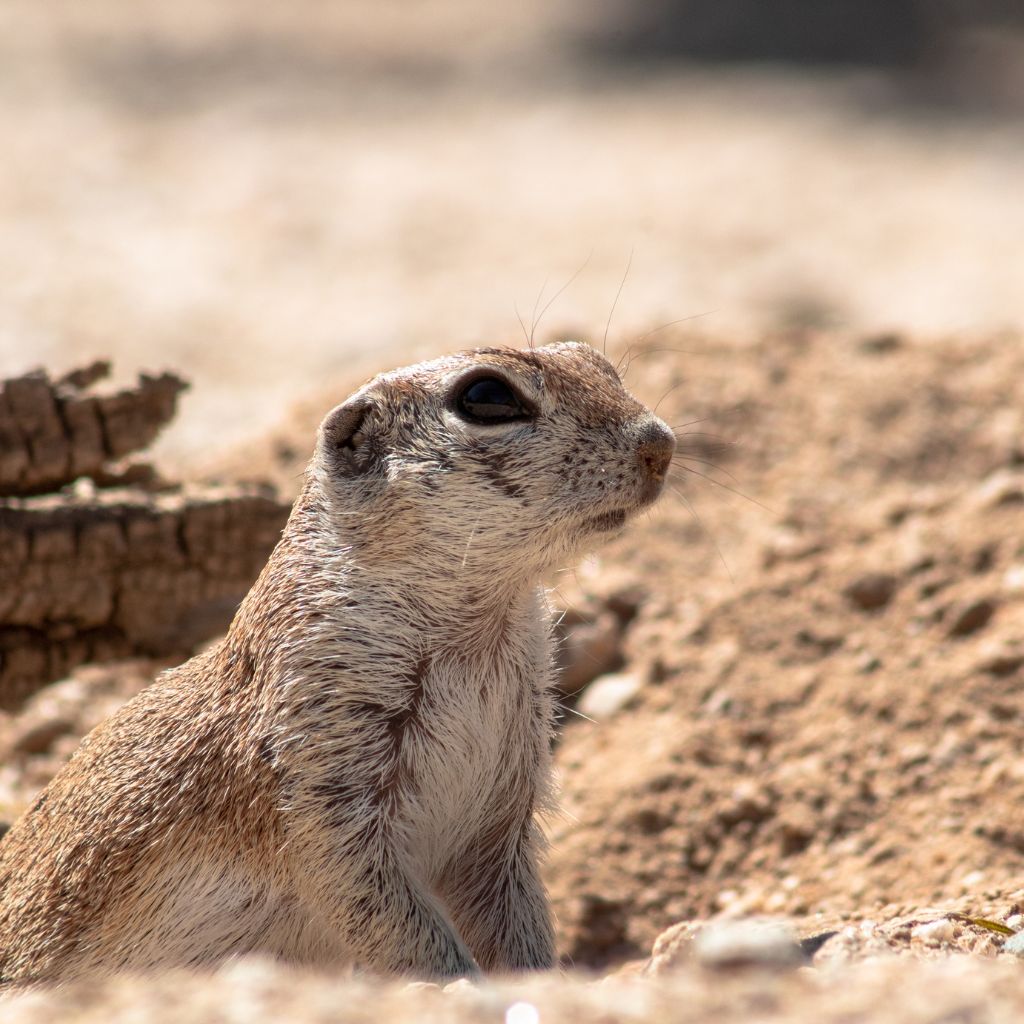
655 448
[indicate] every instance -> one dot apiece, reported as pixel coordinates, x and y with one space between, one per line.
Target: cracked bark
122 572
54 431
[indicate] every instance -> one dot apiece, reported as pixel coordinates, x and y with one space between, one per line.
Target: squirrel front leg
498 900
349 874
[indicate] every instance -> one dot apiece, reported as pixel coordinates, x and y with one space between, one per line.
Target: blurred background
270 197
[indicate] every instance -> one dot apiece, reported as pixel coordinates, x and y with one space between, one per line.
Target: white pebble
522 1013
751 943
935 932
607 694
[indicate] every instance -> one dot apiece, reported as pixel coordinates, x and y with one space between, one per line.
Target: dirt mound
816 703
837 731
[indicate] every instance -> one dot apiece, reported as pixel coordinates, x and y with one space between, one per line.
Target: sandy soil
824 656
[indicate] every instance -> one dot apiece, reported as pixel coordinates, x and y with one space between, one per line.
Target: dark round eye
490 400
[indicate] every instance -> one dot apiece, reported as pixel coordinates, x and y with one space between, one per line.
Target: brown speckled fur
352 776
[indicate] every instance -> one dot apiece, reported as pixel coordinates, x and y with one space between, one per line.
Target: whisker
672 323
706 449
661 351
675 387
579 714
655 330
704 462
550 302
533 315
707 533
526 334
704 433
726 487
732 410
611 312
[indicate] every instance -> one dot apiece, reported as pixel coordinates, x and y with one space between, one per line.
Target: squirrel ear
343 437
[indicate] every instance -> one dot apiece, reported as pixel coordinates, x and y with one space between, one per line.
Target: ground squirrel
351 776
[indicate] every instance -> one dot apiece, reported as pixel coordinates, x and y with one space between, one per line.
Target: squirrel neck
320 586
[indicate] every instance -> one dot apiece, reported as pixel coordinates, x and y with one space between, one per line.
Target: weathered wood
54 431
100 572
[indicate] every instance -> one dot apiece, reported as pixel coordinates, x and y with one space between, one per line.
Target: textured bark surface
123 574
92 574
55 431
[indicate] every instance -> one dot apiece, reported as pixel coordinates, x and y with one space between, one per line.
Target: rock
725 945
587 646
673 947
1013 579
609 694
881 344
522 1013
626 600
1015 944
934 933
810 945
1002 488
871 591
748 802
970 617
35 737
598 930
1000 659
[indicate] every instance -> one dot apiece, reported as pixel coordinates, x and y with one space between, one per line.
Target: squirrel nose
655 448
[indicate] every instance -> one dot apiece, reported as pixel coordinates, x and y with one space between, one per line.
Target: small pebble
871 591
1002 488
934 933
608 694
522 1013
1013 579
1015 944
971 617
728 944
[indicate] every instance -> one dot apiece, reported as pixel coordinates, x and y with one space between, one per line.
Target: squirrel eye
490 400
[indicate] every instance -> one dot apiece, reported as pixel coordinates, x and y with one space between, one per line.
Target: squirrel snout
655 448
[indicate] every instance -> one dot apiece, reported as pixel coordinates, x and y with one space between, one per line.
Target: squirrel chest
468 755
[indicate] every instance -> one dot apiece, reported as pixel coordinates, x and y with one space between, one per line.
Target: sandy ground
818 714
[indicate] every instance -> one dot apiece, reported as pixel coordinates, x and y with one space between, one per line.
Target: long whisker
707 533
726 487
731 411
675 387
704 433
643 337
656 351
611 312
682 457
579 714
533 315
672 323
550 302
706 449
526 333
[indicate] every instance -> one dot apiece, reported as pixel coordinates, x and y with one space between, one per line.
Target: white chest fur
481 725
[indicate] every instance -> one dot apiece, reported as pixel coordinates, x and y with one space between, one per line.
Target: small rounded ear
343 436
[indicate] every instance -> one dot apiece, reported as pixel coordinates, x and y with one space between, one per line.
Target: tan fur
352 775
